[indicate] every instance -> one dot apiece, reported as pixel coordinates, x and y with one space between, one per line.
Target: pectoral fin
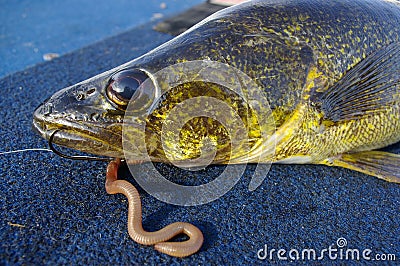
383 165
367 88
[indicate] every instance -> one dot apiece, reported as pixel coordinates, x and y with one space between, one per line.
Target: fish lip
46 129
47 119
83 140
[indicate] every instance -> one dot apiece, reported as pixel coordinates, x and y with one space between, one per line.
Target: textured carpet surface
31 29
56 211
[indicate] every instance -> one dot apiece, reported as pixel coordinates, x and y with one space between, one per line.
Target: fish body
327 73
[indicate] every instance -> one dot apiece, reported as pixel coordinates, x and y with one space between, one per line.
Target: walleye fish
328 73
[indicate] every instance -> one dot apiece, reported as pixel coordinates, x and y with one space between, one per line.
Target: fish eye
123 85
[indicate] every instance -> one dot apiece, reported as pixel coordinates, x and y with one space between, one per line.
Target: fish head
88 116
182 101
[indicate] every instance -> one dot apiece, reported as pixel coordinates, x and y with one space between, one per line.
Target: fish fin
369 87
383 165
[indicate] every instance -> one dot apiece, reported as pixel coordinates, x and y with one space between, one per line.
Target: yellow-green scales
330 71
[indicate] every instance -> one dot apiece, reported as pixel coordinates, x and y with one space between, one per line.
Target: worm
158 238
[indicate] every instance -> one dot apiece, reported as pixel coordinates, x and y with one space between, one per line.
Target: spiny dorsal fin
369 87
381 164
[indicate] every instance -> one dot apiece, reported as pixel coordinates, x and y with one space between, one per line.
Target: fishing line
24 150
59 153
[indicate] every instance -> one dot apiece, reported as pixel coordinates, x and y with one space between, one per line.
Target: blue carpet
56 211
31 29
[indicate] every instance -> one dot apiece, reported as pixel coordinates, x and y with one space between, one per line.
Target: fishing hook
73 157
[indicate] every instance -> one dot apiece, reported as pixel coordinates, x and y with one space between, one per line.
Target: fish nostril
91 91
80 96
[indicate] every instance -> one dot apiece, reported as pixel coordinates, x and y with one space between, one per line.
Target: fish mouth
104 140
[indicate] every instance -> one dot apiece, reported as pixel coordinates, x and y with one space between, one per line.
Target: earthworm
135 228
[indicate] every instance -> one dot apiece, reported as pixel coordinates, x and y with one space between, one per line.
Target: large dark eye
123 85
